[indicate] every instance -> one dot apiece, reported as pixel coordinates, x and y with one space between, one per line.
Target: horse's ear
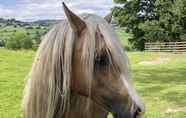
108 18
77 24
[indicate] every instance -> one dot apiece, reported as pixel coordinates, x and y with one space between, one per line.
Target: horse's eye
102 60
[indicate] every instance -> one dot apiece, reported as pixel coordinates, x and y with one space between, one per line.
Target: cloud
52 9
5 12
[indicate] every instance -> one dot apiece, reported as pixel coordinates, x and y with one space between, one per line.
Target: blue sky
8 2
29 10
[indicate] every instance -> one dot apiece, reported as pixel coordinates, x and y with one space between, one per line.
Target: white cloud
52 9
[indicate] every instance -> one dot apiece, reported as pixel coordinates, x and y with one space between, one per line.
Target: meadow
162 86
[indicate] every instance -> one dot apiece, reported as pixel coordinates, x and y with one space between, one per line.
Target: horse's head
100 66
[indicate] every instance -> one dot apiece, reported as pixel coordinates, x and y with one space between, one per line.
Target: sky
31 10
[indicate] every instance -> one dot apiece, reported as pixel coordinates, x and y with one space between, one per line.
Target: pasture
162 85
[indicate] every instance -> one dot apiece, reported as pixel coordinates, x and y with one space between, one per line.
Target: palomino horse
81 71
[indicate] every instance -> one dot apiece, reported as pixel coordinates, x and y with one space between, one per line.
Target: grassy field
162 86
14 66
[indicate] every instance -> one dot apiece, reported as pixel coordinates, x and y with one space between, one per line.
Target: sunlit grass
163 86
14 66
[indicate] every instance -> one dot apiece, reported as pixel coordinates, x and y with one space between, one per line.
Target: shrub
2 43
18 41
26 43
13 44
128 48
38 27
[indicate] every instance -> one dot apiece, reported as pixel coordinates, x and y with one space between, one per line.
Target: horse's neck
79 108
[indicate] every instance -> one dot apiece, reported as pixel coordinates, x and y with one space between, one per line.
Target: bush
2 43
26 43
13 44
128 48
18 41
38 27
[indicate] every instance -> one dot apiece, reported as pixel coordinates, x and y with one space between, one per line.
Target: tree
2 43
26 43
12 43
19 40
152 20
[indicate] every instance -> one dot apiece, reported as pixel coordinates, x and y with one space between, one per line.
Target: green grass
14 65
162 87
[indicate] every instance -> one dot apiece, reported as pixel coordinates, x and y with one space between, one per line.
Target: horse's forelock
111 42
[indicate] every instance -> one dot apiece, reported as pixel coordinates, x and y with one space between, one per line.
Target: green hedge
19 41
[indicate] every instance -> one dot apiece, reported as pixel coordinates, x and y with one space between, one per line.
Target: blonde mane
47 93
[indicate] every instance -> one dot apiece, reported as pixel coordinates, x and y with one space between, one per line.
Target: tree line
152 20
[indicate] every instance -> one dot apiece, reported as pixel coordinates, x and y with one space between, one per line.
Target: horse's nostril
138 113
139 110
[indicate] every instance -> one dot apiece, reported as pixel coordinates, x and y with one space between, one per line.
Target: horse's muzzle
135 114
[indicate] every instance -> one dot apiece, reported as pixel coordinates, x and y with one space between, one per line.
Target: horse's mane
47 93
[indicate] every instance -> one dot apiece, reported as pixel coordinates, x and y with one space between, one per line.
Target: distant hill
10 21
2 20
46 22
35 30
23 23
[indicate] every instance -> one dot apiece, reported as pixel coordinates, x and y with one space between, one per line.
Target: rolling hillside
34 29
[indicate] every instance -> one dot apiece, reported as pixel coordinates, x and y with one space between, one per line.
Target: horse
81 71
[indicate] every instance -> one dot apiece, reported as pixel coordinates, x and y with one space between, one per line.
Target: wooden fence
176 47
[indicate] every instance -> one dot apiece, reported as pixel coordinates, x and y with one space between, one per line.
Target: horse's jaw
80 108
